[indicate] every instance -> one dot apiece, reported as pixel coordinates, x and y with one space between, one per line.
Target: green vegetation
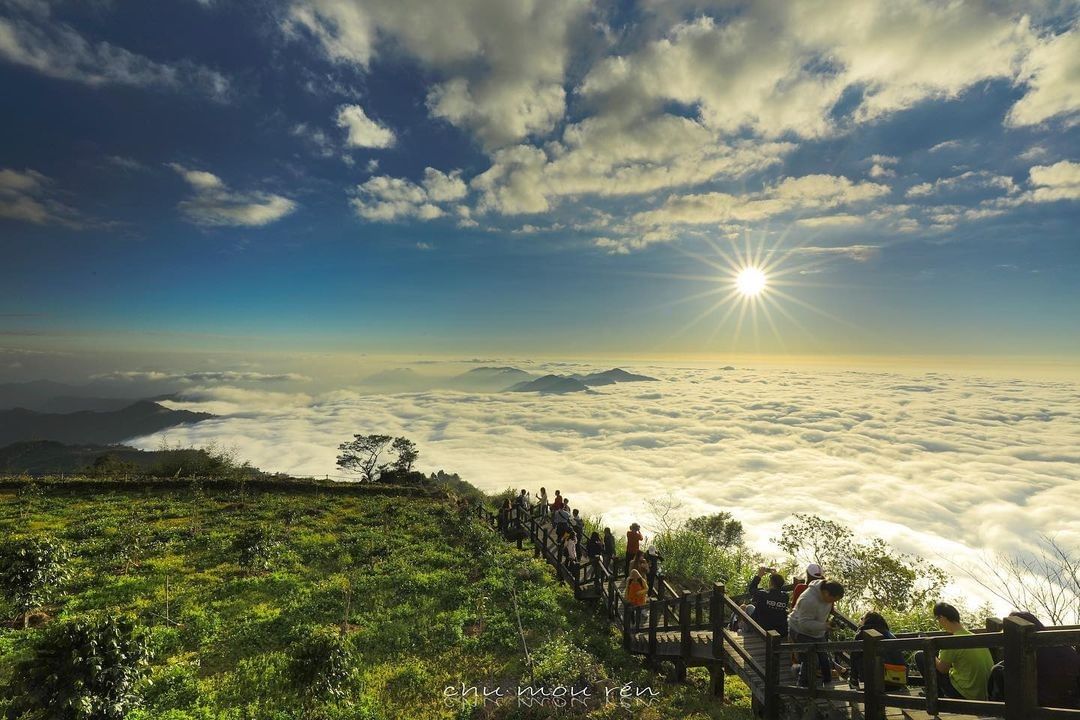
281 600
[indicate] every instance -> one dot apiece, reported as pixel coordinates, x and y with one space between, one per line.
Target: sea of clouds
948 467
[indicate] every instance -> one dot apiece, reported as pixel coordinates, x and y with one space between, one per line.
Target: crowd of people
803 612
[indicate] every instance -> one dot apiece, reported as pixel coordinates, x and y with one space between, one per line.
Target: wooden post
653 605
519 528
716 619
685 646
873 676
1020 689
772 675
612 596
993 624
930 676
628 615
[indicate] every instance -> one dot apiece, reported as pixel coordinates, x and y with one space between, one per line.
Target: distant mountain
53 397
92 428
70 404
41 457
489 379
551 384
398 380
610 377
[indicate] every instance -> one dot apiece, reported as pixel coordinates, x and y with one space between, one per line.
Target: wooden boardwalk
689 629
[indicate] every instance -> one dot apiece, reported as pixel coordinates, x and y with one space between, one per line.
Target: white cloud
386 199
971 181
28 196
501 63
1060 181
215 204
216 376
362 131
807 193
444 187
964 464
838 220
33 39
1052 74
858 253
613 156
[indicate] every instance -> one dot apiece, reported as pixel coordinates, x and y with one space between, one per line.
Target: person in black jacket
770 606
609 549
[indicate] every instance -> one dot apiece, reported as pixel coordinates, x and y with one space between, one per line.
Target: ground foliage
240 602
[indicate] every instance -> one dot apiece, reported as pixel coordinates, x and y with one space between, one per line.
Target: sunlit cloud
952 465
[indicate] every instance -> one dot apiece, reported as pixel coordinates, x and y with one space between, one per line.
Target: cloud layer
939 465
215 204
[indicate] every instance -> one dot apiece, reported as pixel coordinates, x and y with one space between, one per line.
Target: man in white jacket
809 622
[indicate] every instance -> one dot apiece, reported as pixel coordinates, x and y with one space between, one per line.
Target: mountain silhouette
610 377
92 428
489 379
551 384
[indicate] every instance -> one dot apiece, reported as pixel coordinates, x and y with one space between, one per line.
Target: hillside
92 428
242 596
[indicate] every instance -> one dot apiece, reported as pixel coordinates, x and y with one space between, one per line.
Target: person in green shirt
962 673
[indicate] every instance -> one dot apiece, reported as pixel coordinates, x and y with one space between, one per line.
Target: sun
750 282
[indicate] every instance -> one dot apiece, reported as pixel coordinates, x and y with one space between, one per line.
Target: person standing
542 501
577 523
633 543
557 502
595 547
636 595
561 520
653 557
962 672
609 549
809 623
813 572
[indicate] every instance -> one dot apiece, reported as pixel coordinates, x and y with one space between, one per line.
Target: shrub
321 666
561 662
31 569
85 669
256 548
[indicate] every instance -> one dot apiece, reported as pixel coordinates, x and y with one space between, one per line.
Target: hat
813 570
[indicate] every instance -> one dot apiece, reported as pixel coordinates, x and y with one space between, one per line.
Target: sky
539 177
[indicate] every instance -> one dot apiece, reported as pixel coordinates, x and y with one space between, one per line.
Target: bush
561 662
85 669
30 571
256 548
321 666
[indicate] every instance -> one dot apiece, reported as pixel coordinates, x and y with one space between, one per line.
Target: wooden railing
686 612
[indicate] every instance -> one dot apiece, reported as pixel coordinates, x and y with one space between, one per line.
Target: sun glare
750 282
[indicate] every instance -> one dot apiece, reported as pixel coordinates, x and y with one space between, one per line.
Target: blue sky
541 177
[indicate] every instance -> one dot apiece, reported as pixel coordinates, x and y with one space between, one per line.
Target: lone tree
361 454
406 454
31 570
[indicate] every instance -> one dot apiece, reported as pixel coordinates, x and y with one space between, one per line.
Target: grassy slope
431 602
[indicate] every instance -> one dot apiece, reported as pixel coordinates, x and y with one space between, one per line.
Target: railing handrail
1018 637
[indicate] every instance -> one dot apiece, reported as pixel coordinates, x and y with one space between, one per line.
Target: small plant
31 569
86 669
321 667
256 548
28 496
